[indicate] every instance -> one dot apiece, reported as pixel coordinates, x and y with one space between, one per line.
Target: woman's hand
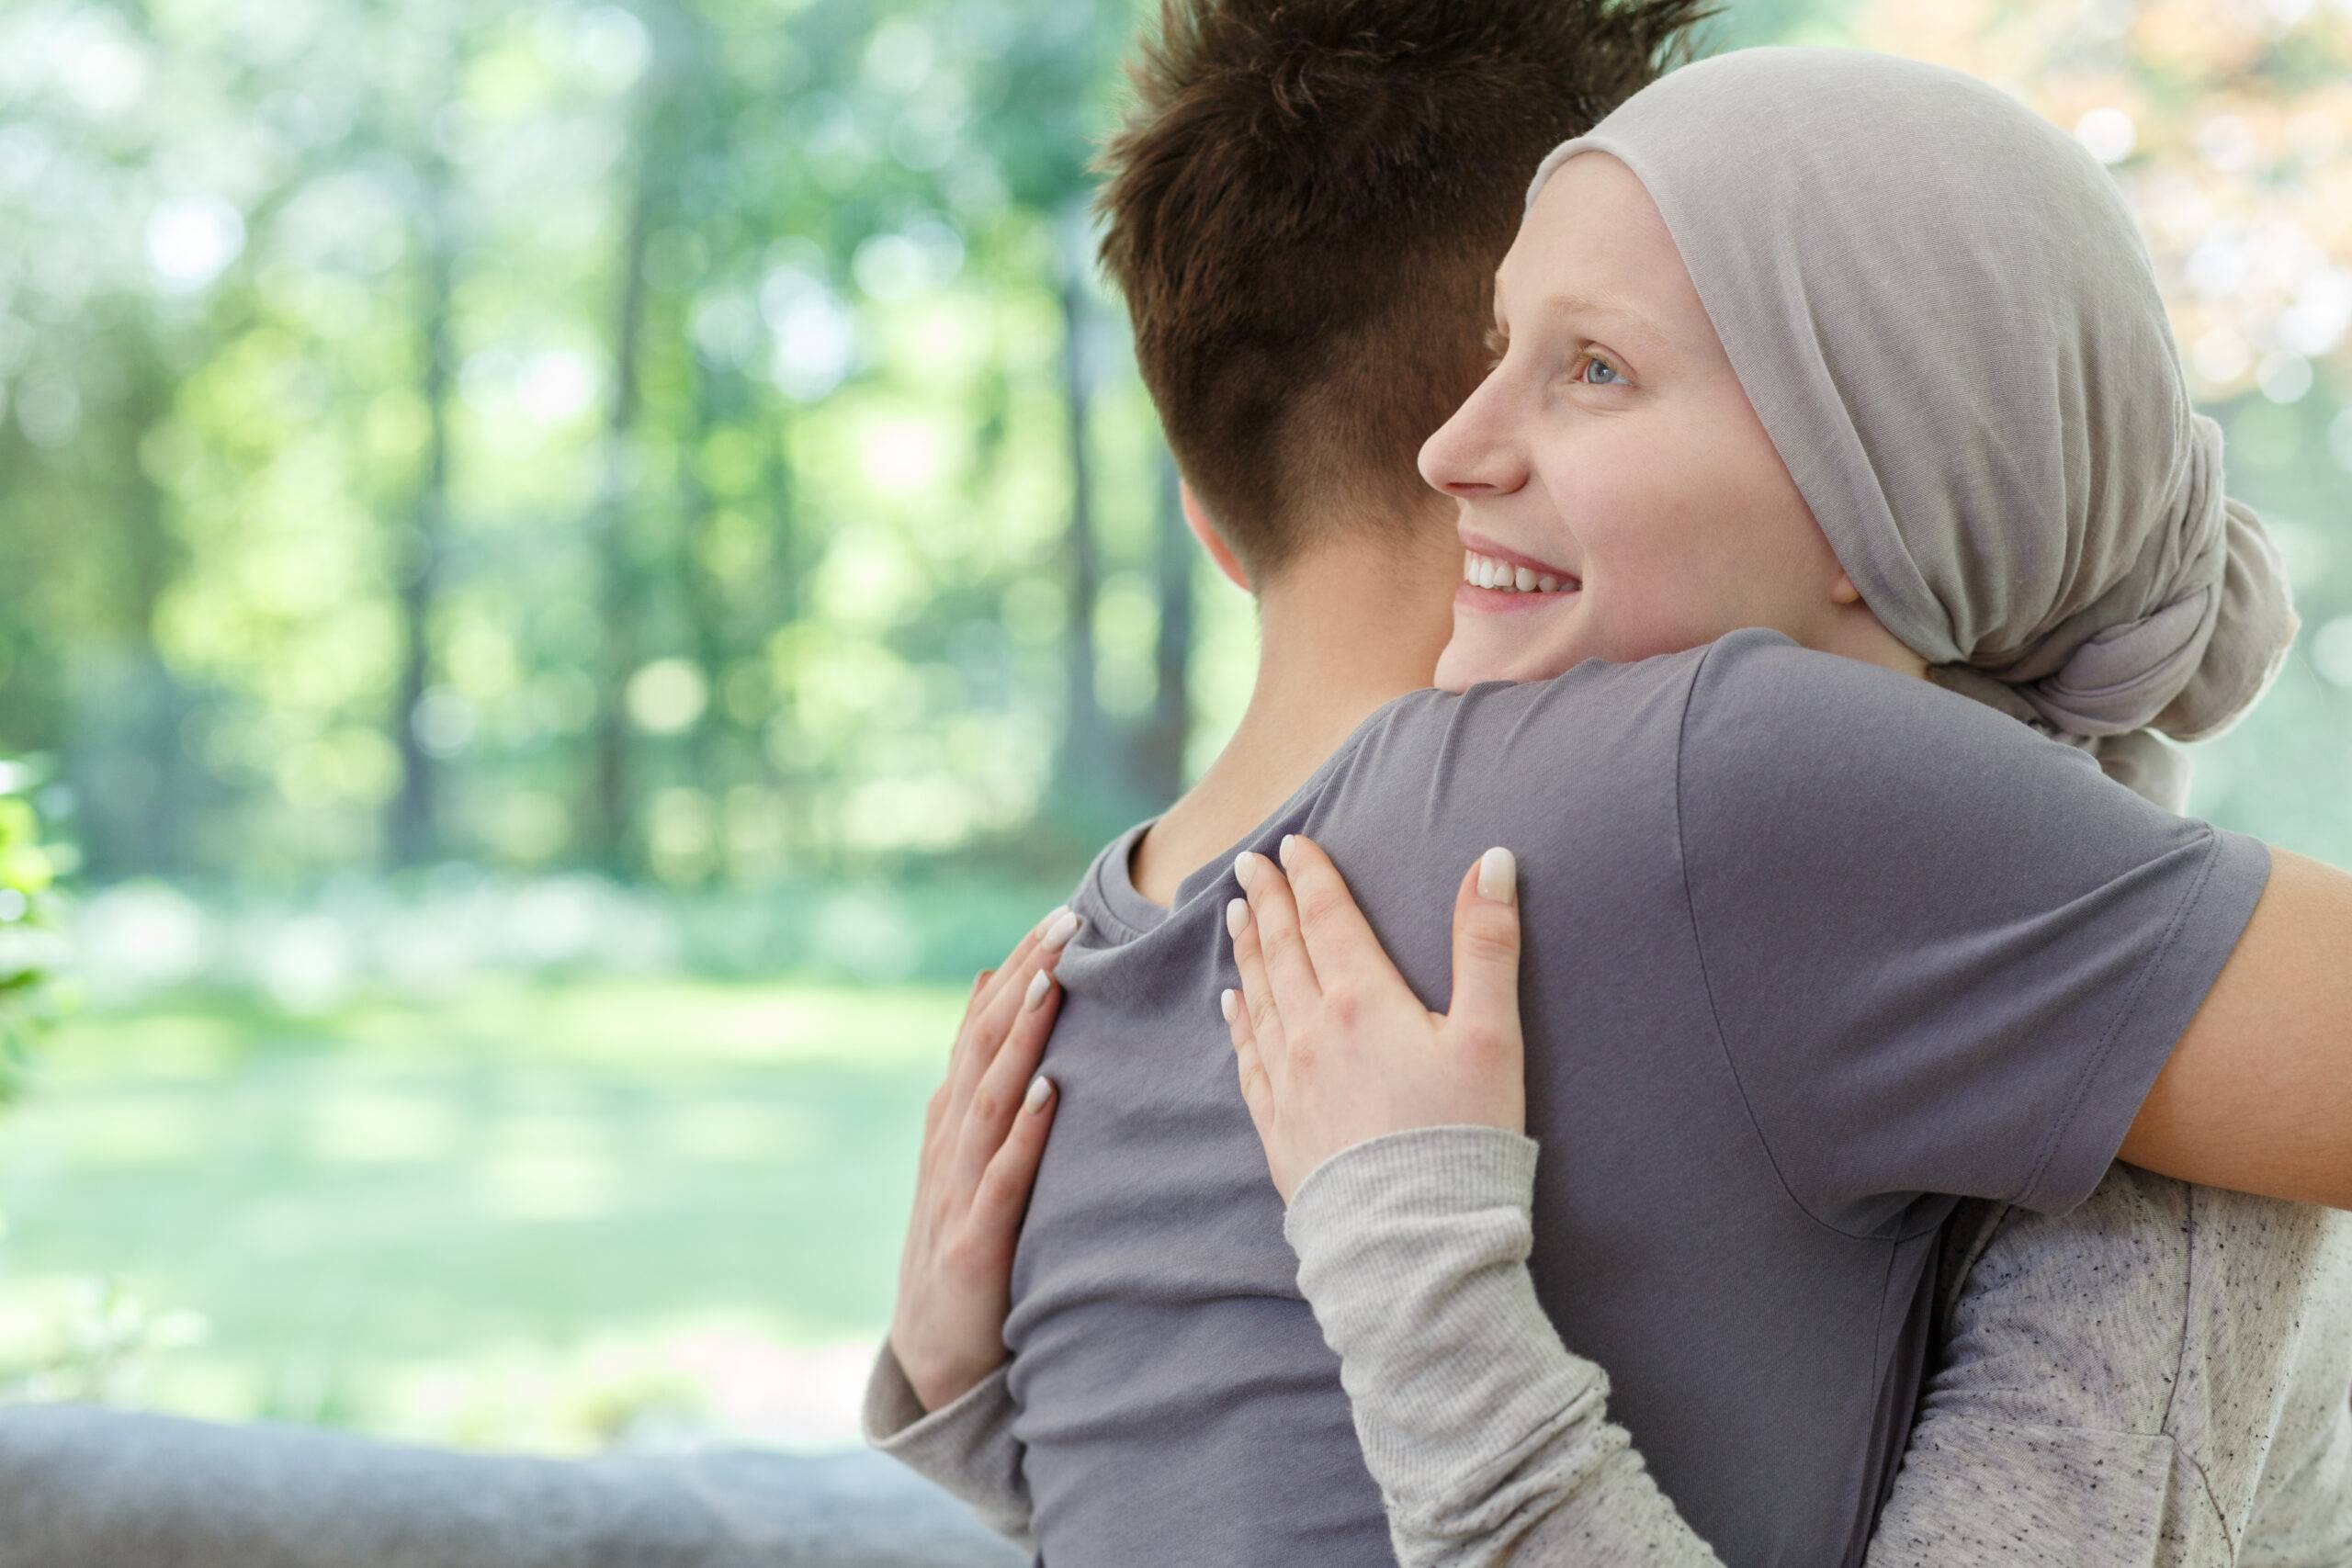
981 1140
1333 1047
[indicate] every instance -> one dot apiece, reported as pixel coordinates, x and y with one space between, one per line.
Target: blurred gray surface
90 1488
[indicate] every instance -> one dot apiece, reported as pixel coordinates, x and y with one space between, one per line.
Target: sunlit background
568 571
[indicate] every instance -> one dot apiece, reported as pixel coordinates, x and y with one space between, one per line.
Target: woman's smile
1499 580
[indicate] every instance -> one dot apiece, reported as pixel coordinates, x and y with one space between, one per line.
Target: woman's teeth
1486 572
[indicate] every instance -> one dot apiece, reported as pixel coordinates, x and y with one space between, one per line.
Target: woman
1951 329
1670 585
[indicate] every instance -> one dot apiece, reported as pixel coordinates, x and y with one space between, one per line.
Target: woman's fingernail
1283 849
1244 864
1039 984
1236 914
1229 1003
1058 935
1497 876
1041 1089
1041 927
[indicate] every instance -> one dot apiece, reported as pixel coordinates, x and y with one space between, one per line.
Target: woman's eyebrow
1585 307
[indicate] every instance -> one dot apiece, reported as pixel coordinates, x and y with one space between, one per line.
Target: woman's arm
966 1448
1393 1132
936 1399
2258 1096
1490 1441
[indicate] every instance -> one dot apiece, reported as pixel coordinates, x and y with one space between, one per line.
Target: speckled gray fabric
2160 1378
2210 1366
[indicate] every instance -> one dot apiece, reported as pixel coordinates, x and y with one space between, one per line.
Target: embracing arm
1393 1132
936 1399
966 1446
1490 1441
2258 1096
1492 1444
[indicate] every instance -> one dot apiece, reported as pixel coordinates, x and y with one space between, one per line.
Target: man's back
1760 1303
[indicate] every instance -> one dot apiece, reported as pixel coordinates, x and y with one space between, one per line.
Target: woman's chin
1468 660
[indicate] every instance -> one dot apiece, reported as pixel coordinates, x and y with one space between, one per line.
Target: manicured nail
1058 935
1041 1089
1243 867
1283 849
1497 876
1041 927
1230 1003
1236 914
1039 984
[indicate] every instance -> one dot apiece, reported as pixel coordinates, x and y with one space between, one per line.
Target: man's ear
1206 532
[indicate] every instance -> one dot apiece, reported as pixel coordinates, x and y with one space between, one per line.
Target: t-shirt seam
2099 1054
2188 1455
1100 898
2205 1484
1706 980
1328 768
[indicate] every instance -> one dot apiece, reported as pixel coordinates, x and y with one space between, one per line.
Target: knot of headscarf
1946 319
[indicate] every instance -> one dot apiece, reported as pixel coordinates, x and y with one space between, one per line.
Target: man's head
1305 211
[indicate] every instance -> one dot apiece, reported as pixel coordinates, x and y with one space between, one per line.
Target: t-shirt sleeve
1946 954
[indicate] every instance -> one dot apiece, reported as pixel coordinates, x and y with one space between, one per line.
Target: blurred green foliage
525 1214
29 945
687 440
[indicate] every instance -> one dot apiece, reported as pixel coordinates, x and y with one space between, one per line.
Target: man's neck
1339 634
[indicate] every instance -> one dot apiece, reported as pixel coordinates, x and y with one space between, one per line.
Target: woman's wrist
1455 1163
940 1381
1412 1252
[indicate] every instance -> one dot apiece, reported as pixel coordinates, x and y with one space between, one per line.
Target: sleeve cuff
2205 934
966 1446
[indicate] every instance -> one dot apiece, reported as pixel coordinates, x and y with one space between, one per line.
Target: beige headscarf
1947 320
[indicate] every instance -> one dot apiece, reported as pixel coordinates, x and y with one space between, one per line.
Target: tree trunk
1078 778
411 829
610 827
1159 751
707 607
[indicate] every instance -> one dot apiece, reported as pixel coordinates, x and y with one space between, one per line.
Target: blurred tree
419 553
29 948
688 438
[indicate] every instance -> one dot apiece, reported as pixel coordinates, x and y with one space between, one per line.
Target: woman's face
1613 452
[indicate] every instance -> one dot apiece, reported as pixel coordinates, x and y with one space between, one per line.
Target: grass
527 1214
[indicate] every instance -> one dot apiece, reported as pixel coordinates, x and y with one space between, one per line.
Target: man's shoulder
1533 724
1528 764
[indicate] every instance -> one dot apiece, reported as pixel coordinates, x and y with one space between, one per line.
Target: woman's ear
1211 540
1843 590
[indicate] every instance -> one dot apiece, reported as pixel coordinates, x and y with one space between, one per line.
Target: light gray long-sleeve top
2160 1378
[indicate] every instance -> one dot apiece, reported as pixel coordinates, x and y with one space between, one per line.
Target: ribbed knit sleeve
966 1446
1490 1441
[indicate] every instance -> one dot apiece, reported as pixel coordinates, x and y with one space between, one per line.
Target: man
1299 222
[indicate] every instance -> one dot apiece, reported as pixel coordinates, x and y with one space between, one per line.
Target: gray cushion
90 1488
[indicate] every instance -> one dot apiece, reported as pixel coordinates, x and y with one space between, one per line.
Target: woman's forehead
1594 249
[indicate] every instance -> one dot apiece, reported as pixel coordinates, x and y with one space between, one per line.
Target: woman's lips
1506 602
1479 544
1486 561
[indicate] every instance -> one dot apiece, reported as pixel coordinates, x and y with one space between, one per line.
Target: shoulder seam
2148 969
1706 980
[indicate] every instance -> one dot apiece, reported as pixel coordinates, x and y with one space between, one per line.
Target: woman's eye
1590 364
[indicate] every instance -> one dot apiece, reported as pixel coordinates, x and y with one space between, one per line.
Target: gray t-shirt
1809 943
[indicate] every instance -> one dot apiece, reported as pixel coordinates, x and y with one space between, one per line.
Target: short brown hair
1304 209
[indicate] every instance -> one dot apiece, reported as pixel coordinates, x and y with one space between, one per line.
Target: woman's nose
1470 455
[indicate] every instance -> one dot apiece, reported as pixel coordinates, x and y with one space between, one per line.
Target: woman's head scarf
1947 320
